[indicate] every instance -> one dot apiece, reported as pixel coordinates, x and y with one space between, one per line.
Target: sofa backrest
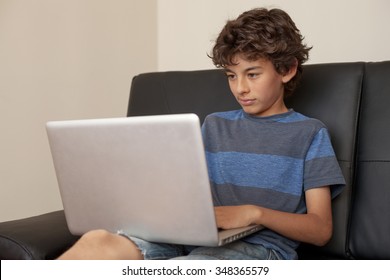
201 92
369 236
331 92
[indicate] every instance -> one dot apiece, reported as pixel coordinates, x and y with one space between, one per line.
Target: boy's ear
290 73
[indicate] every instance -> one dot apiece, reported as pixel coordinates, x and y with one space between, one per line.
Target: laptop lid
146 176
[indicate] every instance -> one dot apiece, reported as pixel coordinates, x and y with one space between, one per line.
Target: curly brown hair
261 33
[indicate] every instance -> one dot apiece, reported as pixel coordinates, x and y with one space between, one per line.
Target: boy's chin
252 112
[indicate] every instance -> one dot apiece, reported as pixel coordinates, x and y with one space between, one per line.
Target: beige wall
62 59
66 59
346 30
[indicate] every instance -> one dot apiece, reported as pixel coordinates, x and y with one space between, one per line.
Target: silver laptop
146 176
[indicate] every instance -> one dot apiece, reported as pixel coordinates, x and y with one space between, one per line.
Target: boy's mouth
246 101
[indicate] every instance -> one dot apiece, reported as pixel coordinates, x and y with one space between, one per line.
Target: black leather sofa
352 99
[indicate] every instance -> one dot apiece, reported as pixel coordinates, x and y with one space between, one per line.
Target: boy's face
257 86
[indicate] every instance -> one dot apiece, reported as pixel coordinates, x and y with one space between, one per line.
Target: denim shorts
238 250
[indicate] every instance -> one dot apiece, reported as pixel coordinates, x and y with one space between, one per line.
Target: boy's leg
103 245
238 250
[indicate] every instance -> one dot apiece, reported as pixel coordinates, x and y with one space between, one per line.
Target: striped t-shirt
270 162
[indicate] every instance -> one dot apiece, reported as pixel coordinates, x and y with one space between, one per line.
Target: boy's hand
235 216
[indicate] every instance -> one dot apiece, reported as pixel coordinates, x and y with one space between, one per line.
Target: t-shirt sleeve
321 165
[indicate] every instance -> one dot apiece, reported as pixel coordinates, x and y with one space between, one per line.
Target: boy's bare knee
97 237
107 242
101 244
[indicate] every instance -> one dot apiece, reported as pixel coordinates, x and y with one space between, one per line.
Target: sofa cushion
370 218
201 92
326 96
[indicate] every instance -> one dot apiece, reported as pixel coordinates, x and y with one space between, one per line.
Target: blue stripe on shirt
321 146
247 170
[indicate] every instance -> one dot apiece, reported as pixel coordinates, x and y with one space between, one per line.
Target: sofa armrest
40 237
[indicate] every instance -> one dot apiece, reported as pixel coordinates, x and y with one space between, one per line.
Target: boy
268 164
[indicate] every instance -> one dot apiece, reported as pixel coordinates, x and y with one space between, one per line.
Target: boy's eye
231 76
253 75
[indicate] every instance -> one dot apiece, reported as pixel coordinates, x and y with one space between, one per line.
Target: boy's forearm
309 228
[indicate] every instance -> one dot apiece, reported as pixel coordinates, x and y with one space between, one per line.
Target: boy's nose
242 86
